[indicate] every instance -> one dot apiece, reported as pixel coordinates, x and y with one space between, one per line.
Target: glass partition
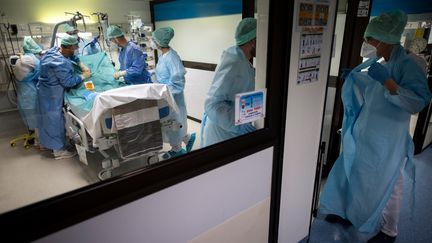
113 124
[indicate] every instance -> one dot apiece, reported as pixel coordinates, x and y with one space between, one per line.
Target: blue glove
93 42
345 72
379 73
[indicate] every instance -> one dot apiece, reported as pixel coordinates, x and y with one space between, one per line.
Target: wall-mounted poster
321 15
305 17
363 8
309 57
312 14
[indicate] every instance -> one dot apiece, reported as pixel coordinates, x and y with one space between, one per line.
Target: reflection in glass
234 75
75 97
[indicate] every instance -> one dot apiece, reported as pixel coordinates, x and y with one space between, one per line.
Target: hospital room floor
31 175
414 225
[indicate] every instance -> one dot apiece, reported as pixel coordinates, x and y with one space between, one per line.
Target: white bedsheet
115 97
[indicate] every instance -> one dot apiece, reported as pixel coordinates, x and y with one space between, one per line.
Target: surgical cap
114 31
163 36
30 46
387 27
69 28
69 40
246 31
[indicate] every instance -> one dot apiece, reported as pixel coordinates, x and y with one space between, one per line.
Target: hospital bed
127 119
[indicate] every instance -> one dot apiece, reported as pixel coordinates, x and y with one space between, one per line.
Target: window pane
111 123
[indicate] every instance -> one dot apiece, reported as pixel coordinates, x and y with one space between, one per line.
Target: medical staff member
365 184
234 74
57 74
170 71
133 67
86 47
27 70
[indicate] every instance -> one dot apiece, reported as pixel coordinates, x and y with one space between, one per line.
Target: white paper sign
250 106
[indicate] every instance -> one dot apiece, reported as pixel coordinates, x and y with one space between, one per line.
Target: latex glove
345 72
119 74
86 74
378 72
83 67
94 41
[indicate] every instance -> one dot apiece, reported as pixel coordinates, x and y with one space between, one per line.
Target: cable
90 43
12 96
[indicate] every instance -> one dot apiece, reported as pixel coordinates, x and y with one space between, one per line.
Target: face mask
153 45
368 51
114 45
76 52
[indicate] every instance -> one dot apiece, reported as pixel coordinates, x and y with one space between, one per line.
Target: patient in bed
90 100
81 97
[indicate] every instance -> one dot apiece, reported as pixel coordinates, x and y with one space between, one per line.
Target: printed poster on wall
250 106
363 8
310 57
321 15
305 16
312 14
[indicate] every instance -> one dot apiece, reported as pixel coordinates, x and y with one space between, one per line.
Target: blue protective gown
234 75
27 94
375 141
132 59
57 73
170 71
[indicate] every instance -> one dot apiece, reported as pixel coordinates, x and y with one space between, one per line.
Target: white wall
186 210
198 83
305 109
202 39
52 11
248 226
